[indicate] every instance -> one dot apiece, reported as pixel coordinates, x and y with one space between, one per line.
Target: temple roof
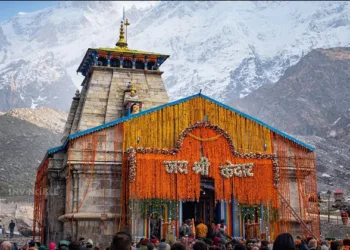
120 49
145 112
131 51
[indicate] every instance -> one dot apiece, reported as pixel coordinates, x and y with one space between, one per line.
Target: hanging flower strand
132 151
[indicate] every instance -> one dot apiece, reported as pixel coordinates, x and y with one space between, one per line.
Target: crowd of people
123 241
285 241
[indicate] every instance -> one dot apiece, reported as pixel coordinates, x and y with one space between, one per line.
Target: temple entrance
155 225
204 209
251 222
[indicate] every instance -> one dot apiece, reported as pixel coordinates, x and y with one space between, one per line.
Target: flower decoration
176 166
239 170
132 151
202 167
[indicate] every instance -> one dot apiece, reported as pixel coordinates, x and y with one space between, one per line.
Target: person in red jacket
344 217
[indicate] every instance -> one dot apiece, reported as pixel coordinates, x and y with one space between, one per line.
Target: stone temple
130 160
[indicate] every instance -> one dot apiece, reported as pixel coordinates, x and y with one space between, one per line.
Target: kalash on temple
132 161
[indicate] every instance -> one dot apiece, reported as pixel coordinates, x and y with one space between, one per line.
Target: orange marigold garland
181 186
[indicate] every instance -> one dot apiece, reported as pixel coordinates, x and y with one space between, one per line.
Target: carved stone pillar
75 190
55 206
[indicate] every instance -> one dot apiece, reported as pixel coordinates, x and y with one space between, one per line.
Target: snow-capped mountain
227 49
311 101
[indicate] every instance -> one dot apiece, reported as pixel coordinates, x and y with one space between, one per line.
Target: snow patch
332 133
336 121
326 175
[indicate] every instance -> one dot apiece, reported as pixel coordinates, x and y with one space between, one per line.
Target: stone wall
77 112
84 198
71 115
94 189
55 207
102 96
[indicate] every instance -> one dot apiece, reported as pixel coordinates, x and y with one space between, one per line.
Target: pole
233 217
329 203
244 226
261 218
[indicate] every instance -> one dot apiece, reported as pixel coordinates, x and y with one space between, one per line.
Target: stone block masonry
102 97
87 202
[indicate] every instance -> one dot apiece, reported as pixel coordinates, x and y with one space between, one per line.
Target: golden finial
122 42
126 29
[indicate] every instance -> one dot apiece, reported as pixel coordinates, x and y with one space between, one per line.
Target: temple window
150 65
140 64
127 64
102 61
115 62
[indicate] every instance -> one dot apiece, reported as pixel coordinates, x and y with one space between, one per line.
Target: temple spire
122 43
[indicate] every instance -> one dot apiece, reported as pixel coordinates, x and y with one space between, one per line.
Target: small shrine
338 196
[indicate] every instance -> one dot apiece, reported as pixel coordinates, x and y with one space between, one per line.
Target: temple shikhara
130 160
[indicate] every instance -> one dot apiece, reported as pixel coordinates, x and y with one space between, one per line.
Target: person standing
186 229
2 229
89 244
222 227
313 244
6 245
284 241
201 230
336 245
324 245
12 228
178 246
121 241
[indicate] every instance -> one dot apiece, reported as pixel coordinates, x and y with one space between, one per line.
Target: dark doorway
204 209
150 65
127 64
102 61
115 62
140 64
155 225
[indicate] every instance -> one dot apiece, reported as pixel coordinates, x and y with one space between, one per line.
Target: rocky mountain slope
25 136
312 99
227 49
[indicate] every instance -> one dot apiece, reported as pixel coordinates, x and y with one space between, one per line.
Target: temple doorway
204 209
250 219
155 225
